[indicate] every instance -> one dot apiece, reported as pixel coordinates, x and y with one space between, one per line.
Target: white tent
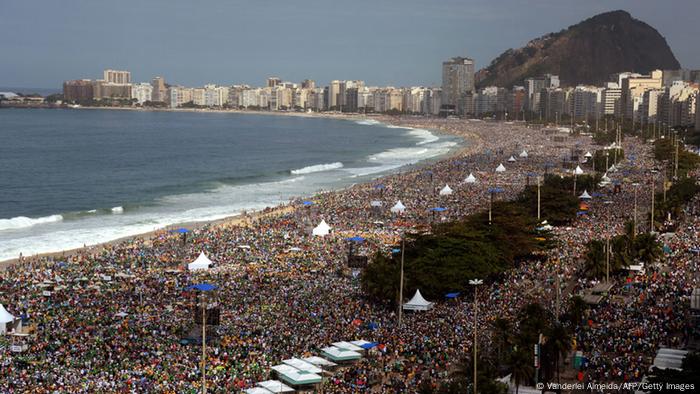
588 154
322 229
511 159
202 263
5 319
612 168
470 179
500 168
578 170
417 303
375 203
585 195
523 153
605 178
398 207
446 191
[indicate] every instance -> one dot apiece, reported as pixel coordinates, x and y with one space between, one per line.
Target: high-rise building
78 90
117 76
534 89
697 112
610 100
633 88
159 89
457 81
336 95
273 81
142 92
308 84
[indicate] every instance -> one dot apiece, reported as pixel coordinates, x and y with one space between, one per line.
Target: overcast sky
384 42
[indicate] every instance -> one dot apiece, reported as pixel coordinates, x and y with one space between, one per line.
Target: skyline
401 46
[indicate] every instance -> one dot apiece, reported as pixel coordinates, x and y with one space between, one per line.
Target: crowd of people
117 314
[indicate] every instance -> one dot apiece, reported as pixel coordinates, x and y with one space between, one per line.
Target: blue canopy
308 203
596 194
369 345
181 230
379 186
438 209
451 295
495 190
355 239
395 250
372 326
202 287
579 213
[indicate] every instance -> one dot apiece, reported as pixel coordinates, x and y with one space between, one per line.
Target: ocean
70 178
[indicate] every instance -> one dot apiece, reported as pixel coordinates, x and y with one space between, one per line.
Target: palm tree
647 248
521 367
559 343
577 307
595 258
502 330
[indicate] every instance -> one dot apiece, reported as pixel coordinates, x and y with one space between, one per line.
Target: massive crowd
117 314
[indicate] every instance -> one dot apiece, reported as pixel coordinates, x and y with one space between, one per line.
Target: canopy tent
302 365
523 154
294 376
6 319
320 362
452 295
500 168
275 386
585 195
470 179
202 263
446 191
257 390
398 207
418 303
588 155
202 287
511 159
578 170
340 355
322 229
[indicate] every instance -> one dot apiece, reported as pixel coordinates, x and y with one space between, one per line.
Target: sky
384 42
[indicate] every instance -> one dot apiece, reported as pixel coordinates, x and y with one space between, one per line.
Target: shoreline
470 144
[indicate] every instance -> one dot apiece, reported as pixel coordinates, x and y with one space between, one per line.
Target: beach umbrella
470 179
501 168
355 239
307 203
446 191
181 230
202 287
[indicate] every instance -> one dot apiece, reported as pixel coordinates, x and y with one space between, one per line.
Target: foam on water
118 210
20 222
317 168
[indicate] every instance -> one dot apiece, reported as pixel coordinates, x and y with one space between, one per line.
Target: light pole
475 283
203 287
607 260
403 246
653 192
538 198
634 233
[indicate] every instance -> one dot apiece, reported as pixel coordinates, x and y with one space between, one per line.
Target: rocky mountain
586 53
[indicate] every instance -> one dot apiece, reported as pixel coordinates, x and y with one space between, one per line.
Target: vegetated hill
586 53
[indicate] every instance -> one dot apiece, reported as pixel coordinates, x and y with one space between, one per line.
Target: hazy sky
385 42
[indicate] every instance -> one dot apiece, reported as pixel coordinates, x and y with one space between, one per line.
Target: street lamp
475 283
203 287
635 184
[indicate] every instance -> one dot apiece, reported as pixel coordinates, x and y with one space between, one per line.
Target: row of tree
444 259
